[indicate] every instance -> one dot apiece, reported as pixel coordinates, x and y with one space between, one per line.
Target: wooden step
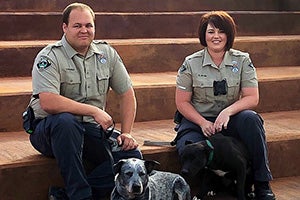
153 5
47 25
155 95
24 168
284 188
170 27
158 55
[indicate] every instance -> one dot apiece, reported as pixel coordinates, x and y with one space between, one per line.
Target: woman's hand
208 128
222 121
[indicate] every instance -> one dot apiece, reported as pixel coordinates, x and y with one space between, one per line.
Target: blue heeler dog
137 179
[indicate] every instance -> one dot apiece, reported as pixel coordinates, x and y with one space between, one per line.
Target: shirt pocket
71 85
102 83
233 91
203 90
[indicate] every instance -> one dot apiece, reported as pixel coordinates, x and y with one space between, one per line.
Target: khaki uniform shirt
198 72
59 69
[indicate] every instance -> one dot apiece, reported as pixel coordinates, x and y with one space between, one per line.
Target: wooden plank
160 54
145 24
280 126
153 5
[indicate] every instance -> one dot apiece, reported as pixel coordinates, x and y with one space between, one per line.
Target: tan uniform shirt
198 72
59 69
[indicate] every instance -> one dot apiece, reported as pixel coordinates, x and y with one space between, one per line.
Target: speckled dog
136 179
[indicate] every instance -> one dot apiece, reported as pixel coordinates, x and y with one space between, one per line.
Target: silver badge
102 57
235 67
103 60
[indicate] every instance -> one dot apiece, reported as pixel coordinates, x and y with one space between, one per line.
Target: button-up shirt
198 73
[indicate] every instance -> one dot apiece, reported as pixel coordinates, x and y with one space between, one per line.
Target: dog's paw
250 196
195 198
211 193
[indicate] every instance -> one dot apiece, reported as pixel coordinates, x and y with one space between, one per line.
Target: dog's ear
188 142
150 165
117 166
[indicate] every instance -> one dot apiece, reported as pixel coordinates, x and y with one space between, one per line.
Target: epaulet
195 55
235 52
99 42
57 44
49 47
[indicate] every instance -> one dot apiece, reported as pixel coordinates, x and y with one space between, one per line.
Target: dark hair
69 8
221 20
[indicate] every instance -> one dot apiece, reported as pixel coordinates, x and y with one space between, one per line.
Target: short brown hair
69 8
221 20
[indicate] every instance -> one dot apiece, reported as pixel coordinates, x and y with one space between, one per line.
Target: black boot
263 191
57 193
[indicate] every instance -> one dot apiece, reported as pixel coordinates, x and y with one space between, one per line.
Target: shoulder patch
182 68
43 63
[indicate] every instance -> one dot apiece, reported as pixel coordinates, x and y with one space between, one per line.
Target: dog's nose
184 172
136 188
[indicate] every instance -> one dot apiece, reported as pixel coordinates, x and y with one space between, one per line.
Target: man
71 79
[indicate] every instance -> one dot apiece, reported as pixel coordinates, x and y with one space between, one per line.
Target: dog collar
211 153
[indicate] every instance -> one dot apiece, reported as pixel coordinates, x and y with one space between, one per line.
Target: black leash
110 136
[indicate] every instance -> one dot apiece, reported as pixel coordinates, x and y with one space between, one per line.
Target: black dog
217 153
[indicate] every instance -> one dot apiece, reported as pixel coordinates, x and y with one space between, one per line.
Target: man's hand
127 141
103 119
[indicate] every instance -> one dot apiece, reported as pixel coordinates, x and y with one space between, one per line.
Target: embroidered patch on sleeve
43 63
182 68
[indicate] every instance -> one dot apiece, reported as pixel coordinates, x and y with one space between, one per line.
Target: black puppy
218 153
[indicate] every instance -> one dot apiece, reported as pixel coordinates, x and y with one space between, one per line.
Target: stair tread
135 24
153 5
143 41
34 13
268 44
15 148
20 85
286 188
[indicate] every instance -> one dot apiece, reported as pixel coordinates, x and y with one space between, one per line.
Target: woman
216 89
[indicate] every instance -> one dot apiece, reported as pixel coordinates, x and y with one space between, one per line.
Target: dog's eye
128 173
142 174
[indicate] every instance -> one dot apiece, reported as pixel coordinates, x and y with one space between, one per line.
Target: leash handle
108 132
